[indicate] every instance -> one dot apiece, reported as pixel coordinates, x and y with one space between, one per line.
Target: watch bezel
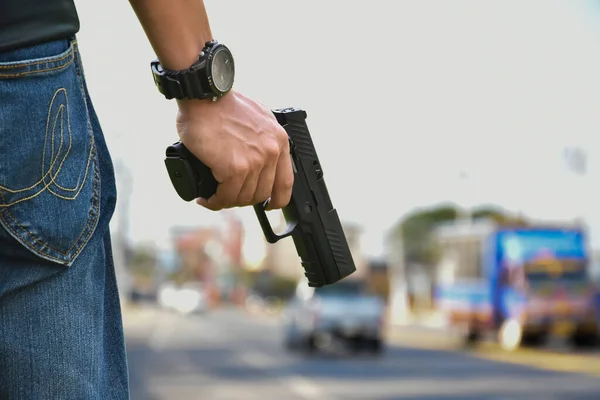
213 49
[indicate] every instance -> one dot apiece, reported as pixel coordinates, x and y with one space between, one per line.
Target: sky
401 96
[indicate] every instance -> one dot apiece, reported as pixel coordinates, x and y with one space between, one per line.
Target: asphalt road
228 355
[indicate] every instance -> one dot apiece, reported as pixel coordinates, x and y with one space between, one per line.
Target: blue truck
521 284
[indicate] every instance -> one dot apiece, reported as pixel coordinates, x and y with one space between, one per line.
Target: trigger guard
267 229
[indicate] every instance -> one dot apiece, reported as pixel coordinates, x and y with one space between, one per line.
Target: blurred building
210 254
192 247
460 246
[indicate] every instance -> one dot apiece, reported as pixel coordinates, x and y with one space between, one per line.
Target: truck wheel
534 339
473 336
581 340
469 335
310 346
510 335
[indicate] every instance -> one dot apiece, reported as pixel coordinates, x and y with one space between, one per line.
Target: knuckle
272 148
241 167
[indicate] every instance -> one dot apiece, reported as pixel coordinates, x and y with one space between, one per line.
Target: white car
186 299
342 313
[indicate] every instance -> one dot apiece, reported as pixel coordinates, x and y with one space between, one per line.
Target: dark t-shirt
28 22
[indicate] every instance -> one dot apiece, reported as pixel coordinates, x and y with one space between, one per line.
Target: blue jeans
61 334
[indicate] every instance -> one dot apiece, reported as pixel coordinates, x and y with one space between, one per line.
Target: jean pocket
49 179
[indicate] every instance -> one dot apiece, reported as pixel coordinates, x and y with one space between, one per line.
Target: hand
242 143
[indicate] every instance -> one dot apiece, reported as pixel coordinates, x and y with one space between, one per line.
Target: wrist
177 32
183 54
187 106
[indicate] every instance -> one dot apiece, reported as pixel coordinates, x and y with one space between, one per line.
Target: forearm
176 29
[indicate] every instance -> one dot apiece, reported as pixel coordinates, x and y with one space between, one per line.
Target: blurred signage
554 267
528 245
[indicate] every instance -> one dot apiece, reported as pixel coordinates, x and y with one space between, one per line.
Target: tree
416 229
499 216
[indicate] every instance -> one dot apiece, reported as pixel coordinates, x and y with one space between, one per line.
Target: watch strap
186 84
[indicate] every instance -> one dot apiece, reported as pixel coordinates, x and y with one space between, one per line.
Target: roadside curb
436 339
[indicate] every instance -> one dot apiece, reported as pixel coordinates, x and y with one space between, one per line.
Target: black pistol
312 221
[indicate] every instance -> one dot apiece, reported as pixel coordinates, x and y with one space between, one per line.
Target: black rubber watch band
182 85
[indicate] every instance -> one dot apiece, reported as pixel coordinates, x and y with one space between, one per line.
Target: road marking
258 360
297 384
305 388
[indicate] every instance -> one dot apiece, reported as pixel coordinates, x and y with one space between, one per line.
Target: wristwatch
210 77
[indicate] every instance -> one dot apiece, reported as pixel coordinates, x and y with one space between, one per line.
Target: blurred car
166 295
340 314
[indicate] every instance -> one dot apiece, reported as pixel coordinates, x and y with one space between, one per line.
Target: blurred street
229 355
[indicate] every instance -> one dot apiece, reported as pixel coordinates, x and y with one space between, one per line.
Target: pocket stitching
18 74
47 185
54 176
39 71
47 60
91 221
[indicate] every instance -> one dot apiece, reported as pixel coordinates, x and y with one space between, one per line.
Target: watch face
222 70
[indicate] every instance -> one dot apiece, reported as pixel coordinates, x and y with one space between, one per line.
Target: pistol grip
267 229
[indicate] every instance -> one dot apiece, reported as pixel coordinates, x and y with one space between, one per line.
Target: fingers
229 190
266 180
246 195
251 180
257 187
284 181
250 155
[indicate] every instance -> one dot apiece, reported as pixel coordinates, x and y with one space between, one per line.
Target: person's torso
28 22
